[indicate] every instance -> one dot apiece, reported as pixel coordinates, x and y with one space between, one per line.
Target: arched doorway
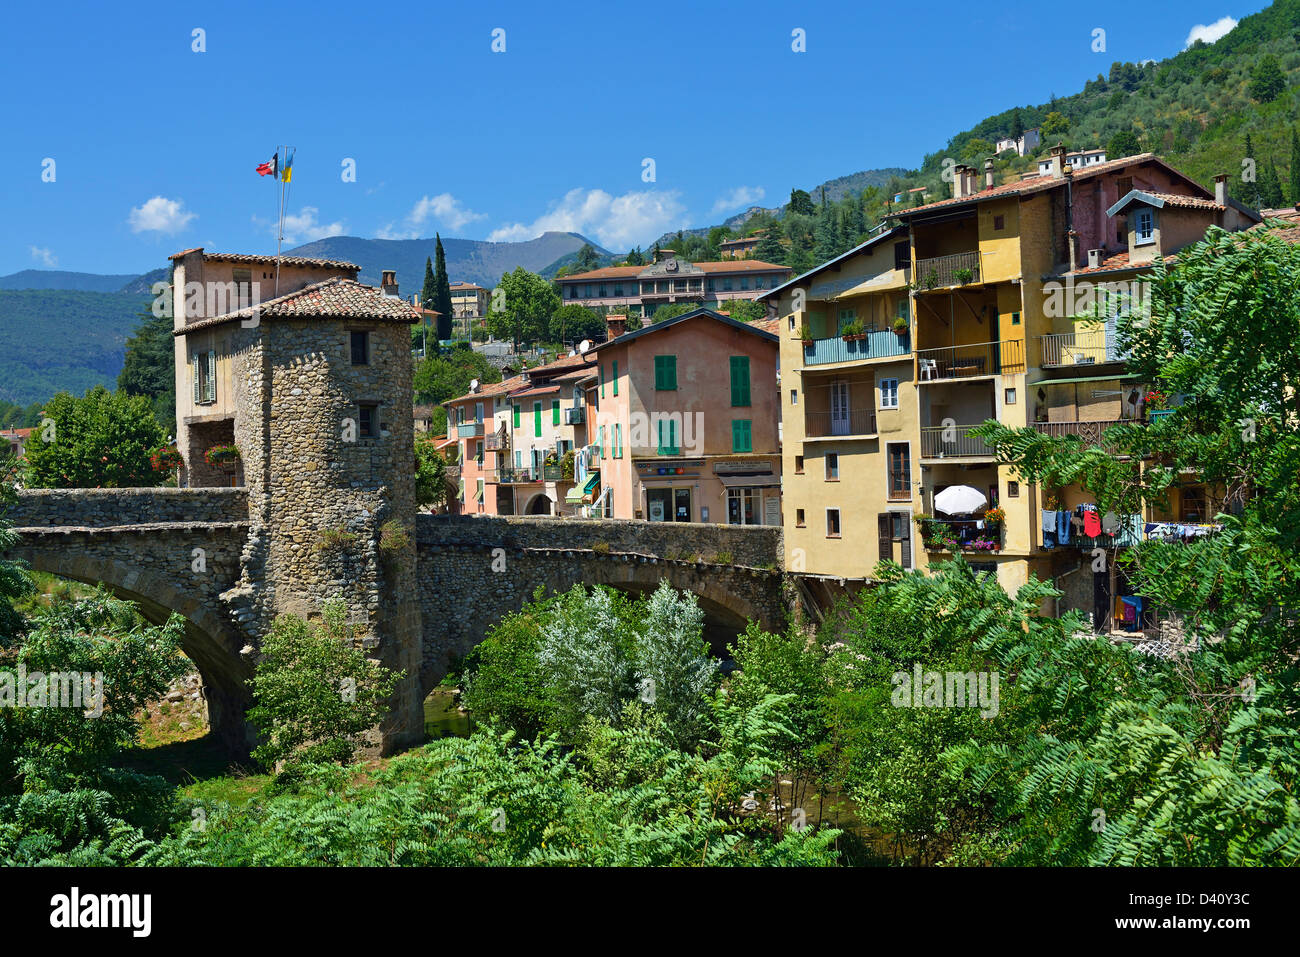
539 504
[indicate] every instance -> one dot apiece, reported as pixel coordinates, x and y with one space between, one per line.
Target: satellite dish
572 353
473 385
583 346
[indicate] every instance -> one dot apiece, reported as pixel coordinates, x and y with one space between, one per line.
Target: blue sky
154 145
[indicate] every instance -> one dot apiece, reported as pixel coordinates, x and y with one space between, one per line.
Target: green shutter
616 377
740 380
742 435
516 411
555 412
602 380
665 373
537 418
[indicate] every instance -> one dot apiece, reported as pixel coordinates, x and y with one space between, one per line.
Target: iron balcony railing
957 269
873 345
469 430
514 476
1127 533
574 415
1090 432
847 422
945 442
974 359
1082 348
495 441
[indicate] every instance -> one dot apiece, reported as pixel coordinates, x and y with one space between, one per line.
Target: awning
575 496
592 482
760 480
874 284
1092 378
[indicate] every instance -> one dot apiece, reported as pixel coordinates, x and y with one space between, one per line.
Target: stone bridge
179 550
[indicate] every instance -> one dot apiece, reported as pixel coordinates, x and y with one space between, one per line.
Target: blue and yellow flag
286 171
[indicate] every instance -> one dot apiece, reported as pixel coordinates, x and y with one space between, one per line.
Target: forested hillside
62 340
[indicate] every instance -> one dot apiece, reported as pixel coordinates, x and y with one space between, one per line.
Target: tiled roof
459 286
1289 216
561 364
767 325
270 260
335 298
1191 202
631 272
504 387
1038 184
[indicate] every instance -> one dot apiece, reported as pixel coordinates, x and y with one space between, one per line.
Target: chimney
1057 154
1094 258
1221 189
615 325
959 183
988 173
1072 238
388 285
665 254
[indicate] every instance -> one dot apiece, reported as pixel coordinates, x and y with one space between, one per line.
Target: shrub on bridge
102 440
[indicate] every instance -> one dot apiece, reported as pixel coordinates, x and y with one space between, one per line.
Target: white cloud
44 256
1210 32
444 209
160 215
741 196
304 227
616 222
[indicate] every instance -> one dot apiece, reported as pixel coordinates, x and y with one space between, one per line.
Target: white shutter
198 379
212 376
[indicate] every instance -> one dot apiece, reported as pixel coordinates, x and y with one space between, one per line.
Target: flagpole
279 225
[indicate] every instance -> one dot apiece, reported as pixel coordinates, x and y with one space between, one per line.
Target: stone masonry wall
105 507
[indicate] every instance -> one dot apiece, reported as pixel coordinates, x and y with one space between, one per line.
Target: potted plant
166 459
995 516
222 455
805 333
852 331
1157 405
963 276
901 326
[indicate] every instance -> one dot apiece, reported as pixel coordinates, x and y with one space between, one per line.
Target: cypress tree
442 291
1295 167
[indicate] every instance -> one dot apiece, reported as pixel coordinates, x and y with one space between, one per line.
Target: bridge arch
212 643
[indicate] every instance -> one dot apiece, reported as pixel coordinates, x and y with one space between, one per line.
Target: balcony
971 361
469 430
952 442
1090 432
873 345
495 442
964 535
1126 535
574 415
1083 348
850 423
958 269
513 476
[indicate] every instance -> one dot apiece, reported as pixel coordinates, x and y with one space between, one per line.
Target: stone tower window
367 420
360 348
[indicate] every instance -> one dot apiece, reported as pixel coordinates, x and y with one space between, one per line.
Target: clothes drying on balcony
1132 612
1176 531
1091 520
1049 528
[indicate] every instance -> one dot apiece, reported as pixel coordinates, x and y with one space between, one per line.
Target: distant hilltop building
1079 159
738 248
1023 144
643 289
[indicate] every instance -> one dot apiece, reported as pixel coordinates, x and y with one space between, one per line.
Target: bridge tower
317 392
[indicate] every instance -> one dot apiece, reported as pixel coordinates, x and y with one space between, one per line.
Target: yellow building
877 422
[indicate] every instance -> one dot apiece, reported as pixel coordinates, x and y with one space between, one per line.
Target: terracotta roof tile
334 298
631 272
270 260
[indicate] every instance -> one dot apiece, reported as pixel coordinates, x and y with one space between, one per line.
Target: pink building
684 422
643 289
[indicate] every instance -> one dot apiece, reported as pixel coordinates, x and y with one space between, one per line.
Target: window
665 373
889 393
739 380
478 411
726 284
515 408
616 377
1144 231
798 518
999 222
794 396
832 523
244 286
742 435
899 458
537 418
602 380
832 466
902 255
1191 505
360 348
798 465
1013 490
900 311
791 321
1015 318
618 440
366 424
478 452
1009 396
895 527
667 437
604 451
618 289
204 366
555 412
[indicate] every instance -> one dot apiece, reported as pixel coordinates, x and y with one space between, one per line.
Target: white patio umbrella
959 500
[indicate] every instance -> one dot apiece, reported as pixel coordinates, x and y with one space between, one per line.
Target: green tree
1270 185
529 302
769 248
573 323
1056 124
674 671
1267 81
440 378
1123 143
102 440
149 367
430 474
800 202
442 291
429 292
1294 197
587 259
316 694
636 257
